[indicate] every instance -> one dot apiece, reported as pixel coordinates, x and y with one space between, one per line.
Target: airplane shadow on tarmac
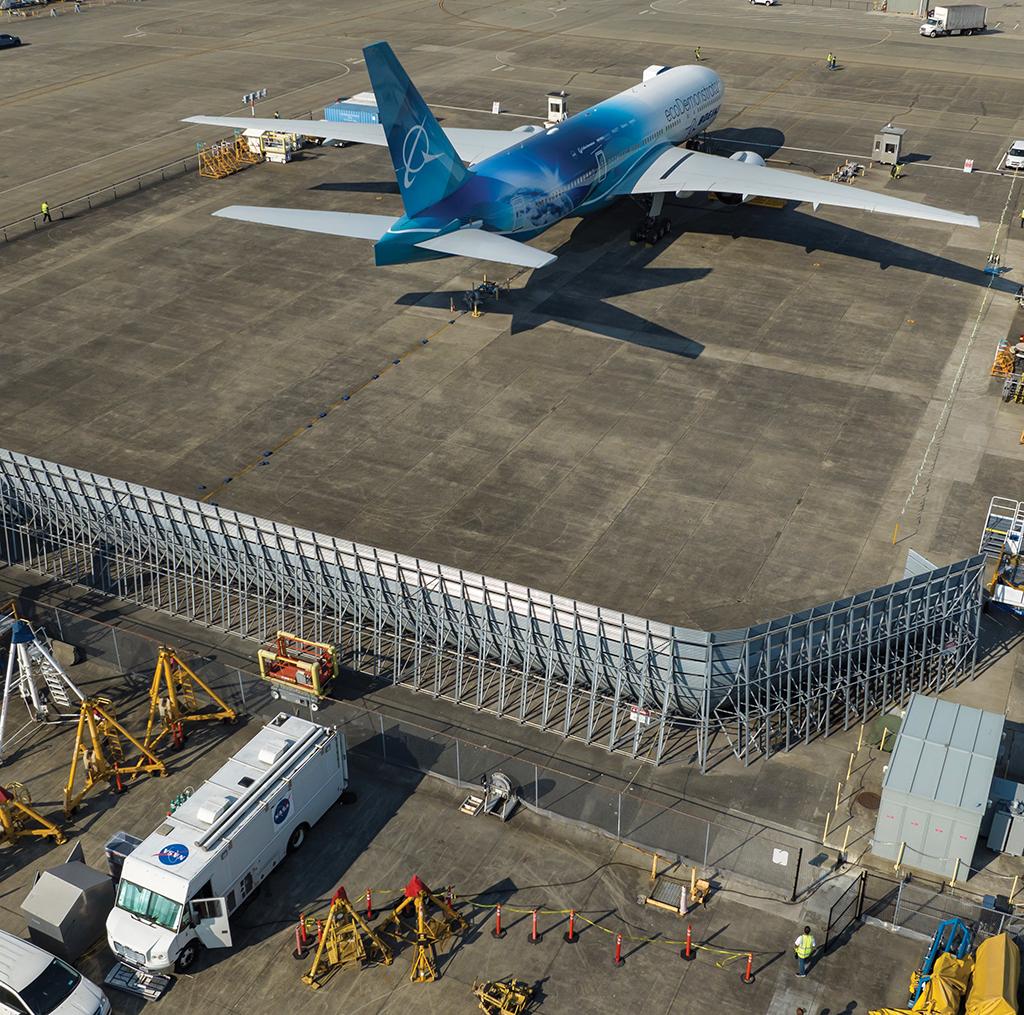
576 294
577 288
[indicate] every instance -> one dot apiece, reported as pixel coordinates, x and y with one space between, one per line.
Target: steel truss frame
653 691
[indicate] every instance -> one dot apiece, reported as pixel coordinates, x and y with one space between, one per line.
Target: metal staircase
31 669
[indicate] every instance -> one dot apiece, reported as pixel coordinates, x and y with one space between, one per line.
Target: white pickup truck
963 19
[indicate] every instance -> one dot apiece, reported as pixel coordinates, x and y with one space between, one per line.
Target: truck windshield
932 21
51 988
149 905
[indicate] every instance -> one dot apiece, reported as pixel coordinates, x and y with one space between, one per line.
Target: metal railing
105 195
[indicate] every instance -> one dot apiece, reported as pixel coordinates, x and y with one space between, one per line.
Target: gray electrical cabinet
1007 832
67 908
936 788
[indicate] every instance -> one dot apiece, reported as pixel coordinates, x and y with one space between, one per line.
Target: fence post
618 819
117 651
60 626
707 843
383 739
241 686
896 910
458 764
536 787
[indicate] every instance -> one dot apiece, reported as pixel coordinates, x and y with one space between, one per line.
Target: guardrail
111 192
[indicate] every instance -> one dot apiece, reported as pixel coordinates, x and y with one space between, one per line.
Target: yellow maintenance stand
345 939
18 819
99 751
503 997
173 701
428 934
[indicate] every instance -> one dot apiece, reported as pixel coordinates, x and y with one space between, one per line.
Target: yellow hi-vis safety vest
805 945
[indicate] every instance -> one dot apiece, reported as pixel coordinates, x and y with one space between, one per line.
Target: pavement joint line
947 406
329 408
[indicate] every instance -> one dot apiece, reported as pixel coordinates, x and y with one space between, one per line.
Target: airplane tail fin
427 167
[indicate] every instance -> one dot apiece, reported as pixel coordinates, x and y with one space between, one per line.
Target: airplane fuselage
572 168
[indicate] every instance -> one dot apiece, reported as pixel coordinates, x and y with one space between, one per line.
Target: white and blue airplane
481 193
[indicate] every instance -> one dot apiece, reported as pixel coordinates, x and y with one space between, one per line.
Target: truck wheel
298 837
187 958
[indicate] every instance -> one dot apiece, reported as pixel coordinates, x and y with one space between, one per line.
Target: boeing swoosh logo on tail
416 153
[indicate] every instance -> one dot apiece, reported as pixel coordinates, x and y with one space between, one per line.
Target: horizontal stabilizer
333 223
486 246
473 145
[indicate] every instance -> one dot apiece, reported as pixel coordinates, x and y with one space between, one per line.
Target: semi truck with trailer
961 19
181 884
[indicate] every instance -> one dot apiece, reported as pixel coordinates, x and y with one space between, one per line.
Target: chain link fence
919 908
639 816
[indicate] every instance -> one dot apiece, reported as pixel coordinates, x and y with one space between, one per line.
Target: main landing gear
655 227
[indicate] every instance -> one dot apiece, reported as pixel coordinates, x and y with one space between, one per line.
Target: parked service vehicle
764 3
9 41
1015 156
179 886
964 19
34 982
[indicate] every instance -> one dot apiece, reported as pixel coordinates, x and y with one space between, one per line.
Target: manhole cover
869 800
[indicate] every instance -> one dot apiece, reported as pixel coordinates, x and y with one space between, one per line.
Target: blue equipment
950 936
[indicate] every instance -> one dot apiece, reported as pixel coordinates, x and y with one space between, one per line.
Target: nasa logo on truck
281 810
173 853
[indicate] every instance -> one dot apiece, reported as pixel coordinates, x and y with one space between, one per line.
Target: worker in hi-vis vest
805 945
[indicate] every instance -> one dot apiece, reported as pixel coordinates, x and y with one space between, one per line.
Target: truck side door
210 919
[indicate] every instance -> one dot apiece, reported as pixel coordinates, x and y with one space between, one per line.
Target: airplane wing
471 145
678 169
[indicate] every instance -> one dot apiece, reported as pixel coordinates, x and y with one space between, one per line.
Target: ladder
47 691
1004 516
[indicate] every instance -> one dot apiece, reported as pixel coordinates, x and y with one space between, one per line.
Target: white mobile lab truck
966 19
179 886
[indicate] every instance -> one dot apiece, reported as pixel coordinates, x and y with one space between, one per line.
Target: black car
6 41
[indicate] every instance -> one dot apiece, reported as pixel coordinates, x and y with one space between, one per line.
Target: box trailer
965 19
360 108
181 884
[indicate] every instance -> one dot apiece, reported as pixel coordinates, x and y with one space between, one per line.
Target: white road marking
501 66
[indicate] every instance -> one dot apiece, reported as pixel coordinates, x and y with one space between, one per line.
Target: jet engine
754 159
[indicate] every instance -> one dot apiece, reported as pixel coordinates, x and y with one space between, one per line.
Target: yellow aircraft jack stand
18 819
345 939
503 997
98 749
428 934
173 701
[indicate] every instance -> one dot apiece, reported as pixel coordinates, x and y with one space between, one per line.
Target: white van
34 982
179 886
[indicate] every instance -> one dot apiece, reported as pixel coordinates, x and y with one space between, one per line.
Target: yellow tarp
996 972
946 987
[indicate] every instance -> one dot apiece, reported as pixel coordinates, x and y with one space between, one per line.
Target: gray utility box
1007 832
936 788
67 909
888 142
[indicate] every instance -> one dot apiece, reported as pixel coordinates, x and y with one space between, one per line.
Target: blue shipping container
351 112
